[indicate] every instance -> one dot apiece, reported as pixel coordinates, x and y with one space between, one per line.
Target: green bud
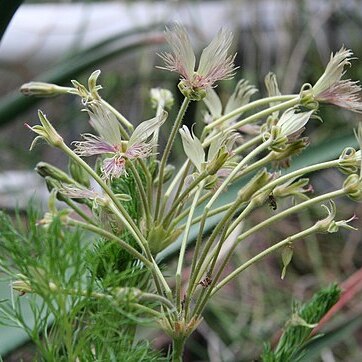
41 89
78 173
349 161
353 187
218 161
45 169
254 185
291 188
159 238
191 93
92 84
22 285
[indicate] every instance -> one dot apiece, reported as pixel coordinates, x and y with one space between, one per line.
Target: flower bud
353 187
45 169
78 173
42 89
254 185
349 161
162 97
21 285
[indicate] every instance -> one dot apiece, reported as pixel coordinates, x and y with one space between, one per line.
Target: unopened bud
191 93
162 97
45 169
22 286
254 185
353 187
42 89
78 173
349 161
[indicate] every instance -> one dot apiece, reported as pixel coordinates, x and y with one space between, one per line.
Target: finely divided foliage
140 207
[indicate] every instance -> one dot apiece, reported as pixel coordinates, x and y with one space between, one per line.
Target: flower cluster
148 207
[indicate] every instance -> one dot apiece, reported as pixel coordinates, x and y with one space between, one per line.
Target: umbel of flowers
232 148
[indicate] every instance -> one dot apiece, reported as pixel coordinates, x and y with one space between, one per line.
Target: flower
215 63
240 97
330 88
110 142
292 121
217 164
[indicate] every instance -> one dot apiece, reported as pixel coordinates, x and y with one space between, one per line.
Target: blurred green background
64 40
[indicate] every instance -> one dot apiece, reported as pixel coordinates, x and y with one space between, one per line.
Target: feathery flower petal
93 145
215 63
113 167
330 88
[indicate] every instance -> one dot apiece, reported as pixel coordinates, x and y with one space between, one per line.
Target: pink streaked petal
345 94
93 145
75 192
141 150
182 58
113 167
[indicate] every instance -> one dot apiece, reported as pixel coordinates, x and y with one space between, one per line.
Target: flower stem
288 104
183 245
108 235
264 253
202 300
142 193
167 151
178 345
249 106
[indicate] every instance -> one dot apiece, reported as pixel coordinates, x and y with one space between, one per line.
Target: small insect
272 202
206 281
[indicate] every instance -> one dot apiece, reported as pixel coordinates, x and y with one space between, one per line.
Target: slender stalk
182 197
183 246
178 345
249 106
167 151
121 213
264 253
255 117
108 235
198 260
79 211
202 300
142 193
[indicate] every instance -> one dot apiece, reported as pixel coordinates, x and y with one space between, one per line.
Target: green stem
108 235
167 151
183 246
79 211
182 197
255 117
142 193
249 106
202 300
264 253
178 345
